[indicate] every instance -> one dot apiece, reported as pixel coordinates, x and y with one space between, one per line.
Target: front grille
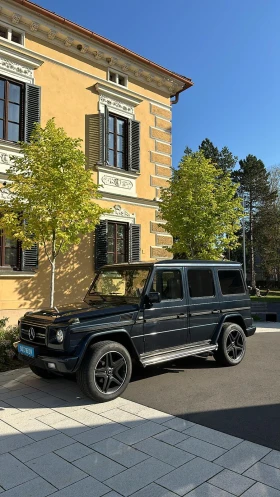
39 333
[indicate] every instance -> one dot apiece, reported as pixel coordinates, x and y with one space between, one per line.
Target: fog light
51 365
59 336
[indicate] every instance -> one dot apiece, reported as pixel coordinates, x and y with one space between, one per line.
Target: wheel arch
121 336
229 318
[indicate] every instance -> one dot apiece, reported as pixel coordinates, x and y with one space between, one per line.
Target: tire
231 345
105 371
43 373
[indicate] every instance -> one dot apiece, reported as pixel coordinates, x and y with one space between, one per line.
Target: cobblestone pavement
54 442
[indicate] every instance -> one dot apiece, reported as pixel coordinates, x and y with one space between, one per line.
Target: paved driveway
53 442
243 401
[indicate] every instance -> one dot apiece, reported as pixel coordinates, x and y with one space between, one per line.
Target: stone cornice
74 43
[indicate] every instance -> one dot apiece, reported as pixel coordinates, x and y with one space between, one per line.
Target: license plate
26 350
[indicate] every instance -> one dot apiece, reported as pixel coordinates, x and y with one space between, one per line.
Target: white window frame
117 74
10 30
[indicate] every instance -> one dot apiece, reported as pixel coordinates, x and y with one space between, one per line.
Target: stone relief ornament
120 212
68 42
14 67
51 34
117 182
34 26
115 104
16 18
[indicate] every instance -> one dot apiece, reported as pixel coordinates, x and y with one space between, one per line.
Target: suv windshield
125 284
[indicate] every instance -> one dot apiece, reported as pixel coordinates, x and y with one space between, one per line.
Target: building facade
119 103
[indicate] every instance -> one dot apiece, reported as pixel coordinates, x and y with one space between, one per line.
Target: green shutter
94 139
32 109
29 258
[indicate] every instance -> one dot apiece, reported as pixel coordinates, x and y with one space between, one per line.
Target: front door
204 305
165 323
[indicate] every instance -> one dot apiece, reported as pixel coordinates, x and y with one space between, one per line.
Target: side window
231 282
201 283
169 284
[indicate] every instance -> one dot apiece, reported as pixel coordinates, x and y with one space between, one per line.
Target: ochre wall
68 95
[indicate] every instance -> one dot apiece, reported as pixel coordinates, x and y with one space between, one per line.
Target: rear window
201 283
231 282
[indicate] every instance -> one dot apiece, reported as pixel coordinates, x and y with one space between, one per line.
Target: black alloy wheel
105 371
231 345
110 372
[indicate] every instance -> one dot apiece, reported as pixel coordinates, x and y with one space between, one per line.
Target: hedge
8 335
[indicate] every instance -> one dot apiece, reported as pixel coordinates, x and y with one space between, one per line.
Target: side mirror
154 297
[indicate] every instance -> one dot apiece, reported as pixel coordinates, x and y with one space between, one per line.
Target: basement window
11 34
117 78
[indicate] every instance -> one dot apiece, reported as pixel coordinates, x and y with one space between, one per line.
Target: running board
147 360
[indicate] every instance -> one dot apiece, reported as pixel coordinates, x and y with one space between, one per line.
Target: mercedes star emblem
31 333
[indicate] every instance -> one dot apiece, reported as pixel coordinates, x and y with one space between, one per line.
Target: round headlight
59 336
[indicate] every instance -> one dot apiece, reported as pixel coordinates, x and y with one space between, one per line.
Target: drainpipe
176 96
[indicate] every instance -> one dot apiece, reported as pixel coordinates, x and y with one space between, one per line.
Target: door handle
216 311
181 315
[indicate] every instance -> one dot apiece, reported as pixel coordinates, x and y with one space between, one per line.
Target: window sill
6 273
115 170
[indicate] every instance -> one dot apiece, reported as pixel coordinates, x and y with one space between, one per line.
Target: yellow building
120 104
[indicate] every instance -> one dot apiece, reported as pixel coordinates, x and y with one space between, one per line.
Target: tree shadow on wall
74 273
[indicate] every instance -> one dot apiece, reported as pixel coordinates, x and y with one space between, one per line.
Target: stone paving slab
54 442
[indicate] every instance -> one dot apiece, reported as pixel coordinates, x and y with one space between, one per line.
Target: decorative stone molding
119 212
17 65
115 180
16 18
116 100
51 30
51 34
68 42
34 26
84 48
6 154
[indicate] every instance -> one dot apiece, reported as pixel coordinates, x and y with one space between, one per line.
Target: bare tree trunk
252 249
53 256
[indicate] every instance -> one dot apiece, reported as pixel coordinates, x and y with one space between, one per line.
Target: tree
254 185
51 195
201 210
223 159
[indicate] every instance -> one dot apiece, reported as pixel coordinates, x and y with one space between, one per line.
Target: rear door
233 294
204 305
165 323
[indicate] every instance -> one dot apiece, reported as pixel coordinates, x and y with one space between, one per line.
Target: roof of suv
176 262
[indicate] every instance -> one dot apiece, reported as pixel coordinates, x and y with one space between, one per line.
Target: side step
147 360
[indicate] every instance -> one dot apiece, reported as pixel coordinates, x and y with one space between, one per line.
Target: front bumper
63 364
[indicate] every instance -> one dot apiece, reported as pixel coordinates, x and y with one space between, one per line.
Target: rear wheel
105 371
231 345
43 373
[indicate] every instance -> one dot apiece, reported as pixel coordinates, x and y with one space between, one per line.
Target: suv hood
82 311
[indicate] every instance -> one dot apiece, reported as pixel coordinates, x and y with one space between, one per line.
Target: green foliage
223 159
8 335
202 210
52 191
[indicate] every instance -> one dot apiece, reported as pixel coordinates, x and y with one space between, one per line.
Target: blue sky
229 48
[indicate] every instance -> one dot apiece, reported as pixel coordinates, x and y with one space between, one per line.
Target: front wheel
105 371
231 345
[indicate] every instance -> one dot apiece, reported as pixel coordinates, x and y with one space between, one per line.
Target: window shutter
101 244
106 136
134 145
29 258
94 139
32 109
134 242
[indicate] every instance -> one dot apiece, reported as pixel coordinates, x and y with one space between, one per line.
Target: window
231 282
117 140
169 284
117 243
8 251
201 283
117 78
11 98
11 34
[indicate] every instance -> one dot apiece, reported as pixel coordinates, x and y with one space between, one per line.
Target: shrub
8 335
